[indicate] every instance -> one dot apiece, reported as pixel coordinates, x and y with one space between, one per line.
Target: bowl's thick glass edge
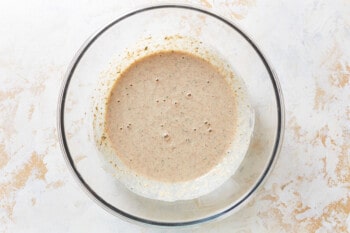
105 205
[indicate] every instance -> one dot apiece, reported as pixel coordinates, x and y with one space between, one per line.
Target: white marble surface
306 41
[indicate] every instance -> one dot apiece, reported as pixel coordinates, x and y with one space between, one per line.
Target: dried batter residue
34 166
206 3
4 158
320 99
239 8
343 166
340 75
33 201
10 94
31 111
322 136
79 158
296 128
55 185
335 212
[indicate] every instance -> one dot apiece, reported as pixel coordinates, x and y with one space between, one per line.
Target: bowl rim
126 216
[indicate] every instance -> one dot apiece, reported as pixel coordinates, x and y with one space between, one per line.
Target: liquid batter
171 116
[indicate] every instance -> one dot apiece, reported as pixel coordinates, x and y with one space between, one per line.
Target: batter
170 116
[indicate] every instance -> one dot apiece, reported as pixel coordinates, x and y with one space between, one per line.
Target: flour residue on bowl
173 121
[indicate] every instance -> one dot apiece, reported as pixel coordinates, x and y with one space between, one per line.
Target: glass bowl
76 114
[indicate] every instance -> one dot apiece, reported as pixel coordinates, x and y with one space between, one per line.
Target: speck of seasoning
157 79
157 101
208 81
118 101
175 103
130 85
189 94
206 122
146 47
127 93
121 128
194 129
162 126
210 130
183 57
166 136
164 100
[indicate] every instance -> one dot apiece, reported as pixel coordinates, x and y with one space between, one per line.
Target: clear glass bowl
75 114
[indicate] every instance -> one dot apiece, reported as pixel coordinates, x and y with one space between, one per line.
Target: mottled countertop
306 41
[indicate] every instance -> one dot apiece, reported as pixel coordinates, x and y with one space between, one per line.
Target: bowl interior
77 115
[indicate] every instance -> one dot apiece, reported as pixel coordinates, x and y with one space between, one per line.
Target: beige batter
171 116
